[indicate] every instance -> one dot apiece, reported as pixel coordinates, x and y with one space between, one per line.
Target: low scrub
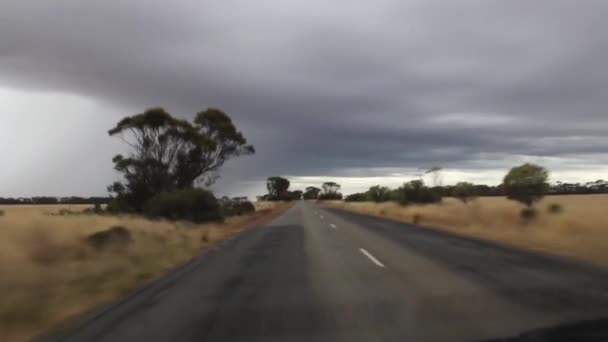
528 214
55 267
356 197
117 237
236 206
555 208
413 192
330 196
195 205
97 209
578 231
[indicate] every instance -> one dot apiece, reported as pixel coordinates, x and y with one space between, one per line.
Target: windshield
388 170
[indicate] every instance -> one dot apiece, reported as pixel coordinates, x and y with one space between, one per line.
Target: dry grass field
580 231
49 274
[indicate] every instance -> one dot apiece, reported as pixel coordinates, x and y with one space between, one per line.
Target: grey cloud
322 88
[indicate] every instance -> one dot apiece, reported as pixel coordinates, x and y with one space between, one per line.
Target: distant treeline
559 188
54 200
526 184
417 192
278 190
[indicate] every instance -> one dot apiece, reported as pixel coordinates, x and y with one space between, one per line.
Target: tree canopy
277 187
464 191
330 187
295 195
311 193
330 191
169 153
378 193
416 192
526 183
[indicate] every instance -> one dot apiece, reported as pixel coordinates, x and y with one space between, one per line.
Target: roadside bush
464 191
295 195
356 197
246 208
330 196
115 237
236 206
196 205
528 214
526 183
555 208
2 213
120 204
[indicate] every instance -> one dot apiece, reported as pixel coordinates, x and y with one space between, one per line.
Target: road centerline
372 258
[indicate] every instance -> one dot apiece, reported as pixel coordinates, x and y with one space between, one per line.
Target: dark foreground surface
327 275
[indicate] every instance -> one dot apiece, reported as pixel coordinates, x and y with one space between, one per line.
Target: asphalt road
325 275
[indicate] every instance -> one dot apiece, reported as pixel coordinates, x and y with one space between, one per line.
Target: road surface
326 275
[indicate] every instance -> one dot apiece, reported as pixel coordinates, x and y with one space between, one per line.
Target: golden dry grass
47 273
580 231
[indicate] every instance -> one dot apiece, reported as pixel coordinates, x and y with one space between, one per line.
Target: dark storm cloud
321 88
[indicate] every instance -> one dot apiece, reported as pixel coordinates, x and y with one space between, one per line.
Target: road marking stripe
333 226
372 258
321 217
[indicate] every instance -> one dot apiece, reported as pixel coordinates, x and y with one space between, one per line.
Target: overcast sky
360 92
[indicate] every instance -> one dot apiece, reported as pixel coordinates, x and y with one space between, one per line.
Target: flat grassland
580 231
49 274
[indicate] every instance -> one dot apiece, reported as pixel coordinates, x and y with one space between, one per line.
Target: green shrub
356 197
378 193
555 208
416 192
526 183
246 208
194 205
236 206
120 204
464 191
332 196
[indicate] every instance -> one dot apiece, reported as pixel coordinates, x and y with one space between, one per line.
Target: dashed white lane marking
333 226
372 258
321 217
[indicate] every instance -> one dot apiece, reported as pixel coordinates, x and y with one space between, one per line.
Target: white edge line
372 258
